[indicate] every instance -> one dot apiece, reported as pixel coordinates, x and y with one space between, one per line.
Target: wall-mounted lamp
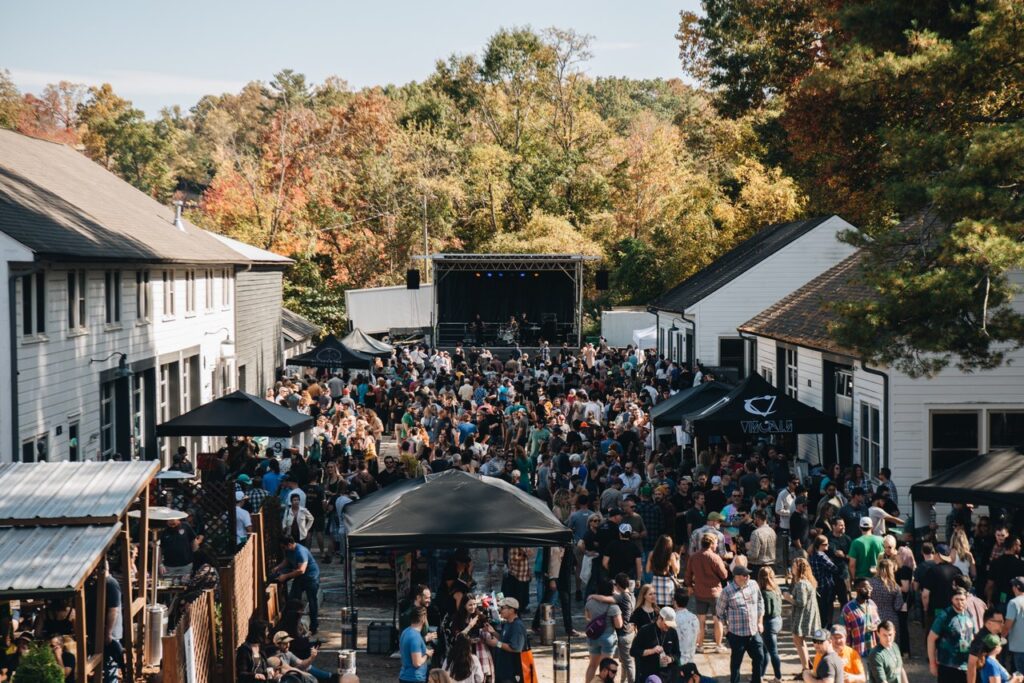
122 370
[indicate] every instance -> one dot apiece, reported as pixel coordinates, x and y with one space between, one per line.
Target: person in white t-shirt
687 627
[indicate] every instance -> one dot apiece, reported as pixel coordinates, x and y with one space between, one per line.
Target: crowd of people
675 551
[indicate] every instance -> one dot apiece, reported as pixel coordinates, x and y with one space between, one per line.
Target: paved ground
376 668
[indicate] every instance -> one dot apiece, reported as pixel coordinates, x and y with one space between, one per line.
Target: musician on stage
477 326
513 328
524 329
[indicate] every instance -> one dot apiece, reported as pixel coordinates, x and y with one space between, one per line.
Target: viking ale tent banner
756 407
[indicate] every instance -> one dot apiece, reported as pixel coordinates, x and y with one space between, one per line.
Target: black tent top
331 353
237 414
452 509
756 407
357 340
669 412
995 478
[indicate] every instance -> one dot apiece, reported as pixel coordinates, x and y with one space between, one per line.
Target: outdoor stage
476 297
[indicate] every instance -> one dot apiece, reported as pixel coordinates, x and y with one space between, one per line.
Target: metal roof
70 492
50 559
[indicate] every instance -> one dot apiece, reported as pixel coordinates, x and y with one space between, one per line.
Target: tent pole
348 576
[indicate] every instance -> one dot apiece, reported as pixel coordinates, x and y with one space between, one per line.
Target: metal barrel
346 662
560 661
547 624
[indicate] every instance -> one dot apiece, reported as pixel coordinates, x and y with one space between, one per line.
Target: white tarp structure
617 325
647 338
380 309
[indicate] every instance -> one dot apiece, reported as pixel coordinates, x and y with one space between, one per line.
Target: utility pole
426 243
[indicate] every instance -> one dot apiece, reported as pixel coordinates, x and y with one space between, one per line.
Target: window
36 450
142 295
112 296
1005 429
731 354
76 300
870 438
107 420
73 430
225 288
844 396
792 379
190 292
768 374
139 413
33 304
169 293
208 289
954 438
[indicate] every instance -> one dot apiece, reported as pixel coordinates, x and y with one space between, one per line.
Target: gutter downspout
12 301
690 352
750 338
885 422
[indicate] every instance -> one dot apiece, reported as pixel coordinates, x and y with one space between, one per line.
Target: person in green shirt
864 551
884 662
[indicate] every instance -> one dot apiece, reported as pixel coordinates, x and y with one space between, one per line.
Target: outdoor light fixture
227 345
122 364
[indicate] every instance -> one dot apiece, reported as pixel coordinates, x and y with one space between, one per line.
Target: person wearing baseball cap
740 608
506 646
853 664
865 551
655 648
829 667
712 526
283 641
623 555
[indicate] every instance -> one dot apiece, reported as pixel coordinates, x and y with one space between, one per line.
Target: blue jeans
739 646
1018 661
311 587
319 674
771 646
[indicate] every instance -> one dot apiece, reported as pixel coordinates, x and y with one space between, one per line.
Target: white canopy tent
646 338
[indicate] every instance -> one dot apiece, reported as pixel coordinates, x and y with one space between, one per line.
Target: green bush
39 666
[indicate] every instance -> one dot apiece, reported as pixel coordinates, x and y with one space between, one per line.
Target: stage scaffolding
569 264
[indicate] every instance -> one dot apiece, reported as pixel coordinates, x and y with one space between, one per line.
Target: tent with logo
670 412
331 353
755 407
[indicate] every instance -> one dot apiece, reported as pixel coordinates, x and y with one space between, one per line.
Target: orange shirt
852 663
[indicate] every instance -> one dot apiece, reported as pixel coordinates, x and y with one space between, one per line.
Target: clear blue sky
158 54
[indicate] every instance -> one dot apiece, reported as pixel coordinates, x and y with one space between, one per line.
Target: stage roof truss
566 263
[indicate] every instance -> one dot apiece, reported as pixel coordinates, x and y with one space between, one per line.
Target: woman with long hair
663 563
647 606
806 619
772 621
885 592
463 665
960 555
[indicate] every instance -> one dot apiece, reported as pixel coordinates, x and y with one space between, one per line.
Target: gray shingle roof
63 206
296 328
733 263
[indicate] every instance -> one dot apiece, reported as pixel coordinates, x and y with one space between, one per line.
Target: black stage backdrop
498 294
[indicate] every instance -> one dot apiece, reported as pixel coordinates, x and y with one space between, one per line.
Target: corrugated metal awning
71 492
50 559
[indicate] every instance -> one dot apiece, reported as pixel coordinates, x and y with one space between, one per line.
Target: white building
117 316
916 427
706 308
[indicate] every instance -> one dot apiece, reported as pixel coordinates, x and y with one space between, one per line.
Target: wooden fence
240 597
192 644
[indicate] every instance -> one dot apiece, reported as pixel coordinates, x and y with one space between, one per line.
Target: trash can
156 629
560 661
547 624
346 662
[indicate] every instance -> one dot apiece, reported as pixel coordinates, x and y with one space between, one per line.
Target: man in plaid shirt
861 618
520 572
740 608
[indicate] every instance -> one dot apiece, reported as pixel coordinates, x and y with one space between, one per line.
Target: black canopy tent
756 407
449 509
670 412
237 414
359 341
331 353
995 478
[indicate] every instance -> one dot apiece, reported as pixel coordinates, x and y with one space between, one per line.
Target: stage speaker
412 279
602 280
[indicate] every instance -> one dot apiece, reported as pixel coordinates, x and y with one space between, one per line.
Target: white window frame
870 443
112 297
190 292
78 309
170 293
143 296
33 305
108 429
768 374
225 288
792 374
208 280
